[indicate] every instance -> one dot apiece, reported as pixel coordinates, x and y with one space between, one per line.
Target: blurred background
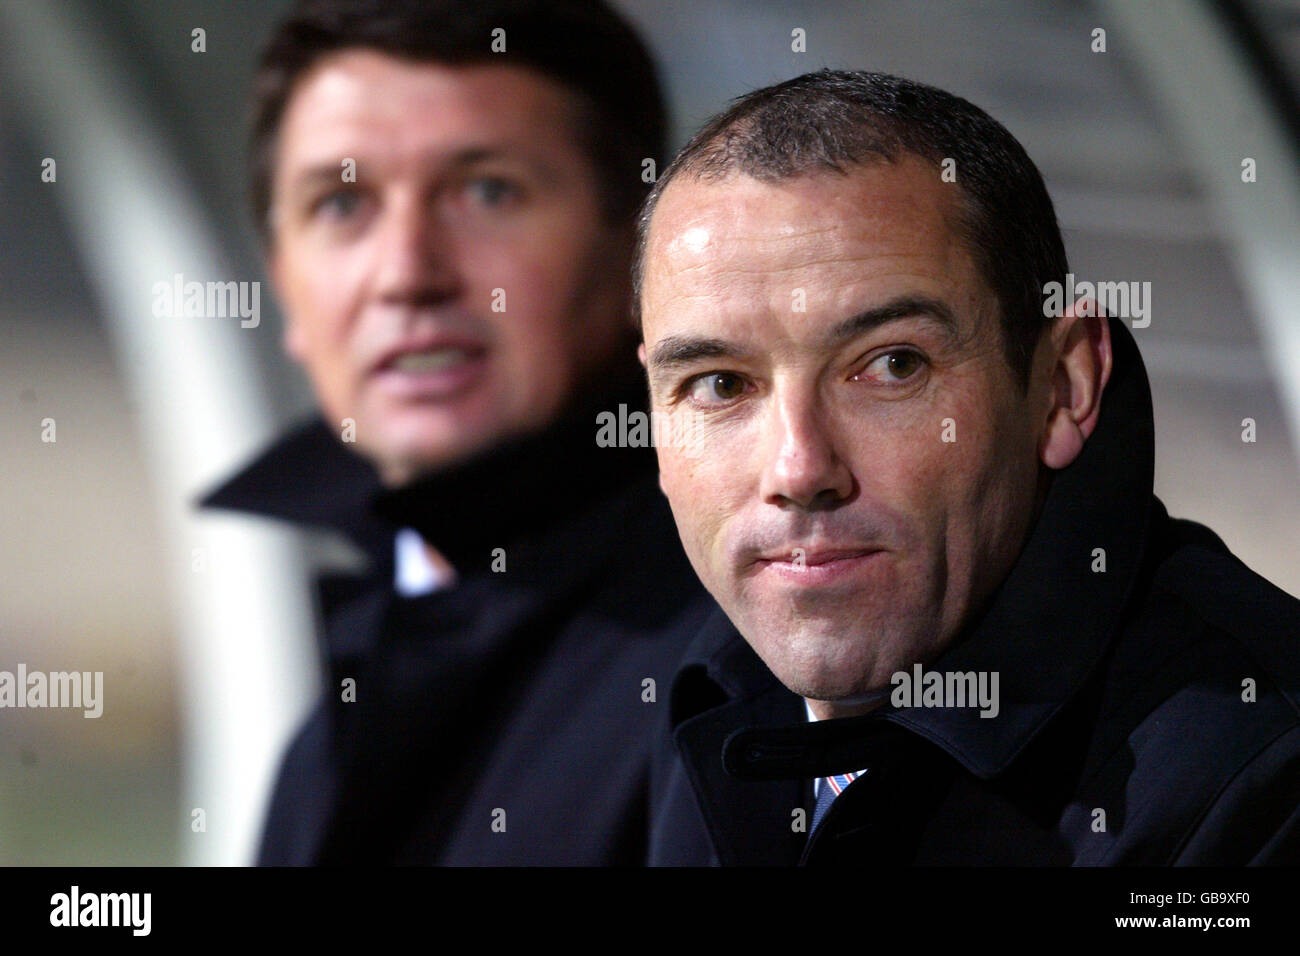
201 625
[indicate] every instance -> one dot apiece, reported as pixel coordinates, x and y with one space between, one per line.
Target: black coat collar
1044 630
306 477
513 493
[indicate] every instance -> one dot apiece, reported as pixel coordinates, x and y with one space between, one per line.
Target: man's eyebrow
481 154
323 174
331 172
528 158
904 307
678 350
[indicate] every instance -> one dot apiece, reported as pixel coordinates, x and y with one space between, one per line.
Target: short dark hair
582 44
835 120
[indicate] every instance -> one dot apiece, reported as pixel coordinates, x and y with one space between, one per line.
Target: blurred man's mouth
431 370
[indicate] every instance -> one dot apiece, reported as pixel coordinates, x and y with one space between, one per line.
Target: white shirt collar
414 574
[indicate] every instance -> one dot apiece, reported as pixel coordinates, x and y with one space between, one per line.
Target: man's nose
417 265
802 466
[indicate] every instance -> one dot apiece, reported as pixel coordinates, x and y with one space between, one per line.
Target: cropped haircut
836 121
582 44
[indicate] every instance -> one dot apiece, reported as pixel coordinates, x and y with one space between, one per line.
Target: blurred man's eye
715 388
492 191
339 204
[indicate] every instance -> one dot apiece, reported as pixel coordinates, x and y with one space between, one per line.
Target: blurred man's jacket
519 707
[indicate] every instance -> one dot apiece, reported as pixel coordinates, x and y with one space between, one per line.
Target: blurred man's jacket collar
518 489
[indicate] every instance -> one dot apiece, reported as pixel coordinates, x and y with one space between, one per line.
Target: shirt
414 575
817 781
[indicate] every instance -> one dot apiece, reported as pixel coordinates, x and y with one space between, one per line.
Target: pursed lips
801 557
819 566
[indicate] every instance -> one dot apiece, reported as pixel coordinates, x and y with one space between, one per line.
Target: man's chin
404 454
832 690
829 662
828 677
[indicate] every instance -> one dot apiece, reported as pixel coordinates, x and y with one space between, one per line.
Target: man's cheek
678 479
673 482
517 280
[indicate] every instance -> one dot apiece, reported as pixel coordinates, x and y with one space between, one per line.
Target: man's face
461 288
824 336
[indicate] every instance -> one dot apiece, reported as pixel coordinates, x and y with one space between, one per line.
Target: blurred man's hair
836 120
582 44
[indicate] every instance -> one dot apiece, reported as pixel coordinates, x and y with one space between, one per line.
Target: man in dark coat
507 719
959 627
447 191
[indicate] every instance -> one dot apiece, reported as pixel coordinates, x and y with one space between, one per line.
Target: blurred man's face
821 333
459 291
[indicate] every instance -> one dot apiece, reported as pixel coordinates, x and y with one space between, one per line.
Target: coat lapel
751 822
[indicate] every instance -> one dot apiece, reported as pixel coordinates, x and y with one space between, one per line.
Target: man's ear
640 354
1078 364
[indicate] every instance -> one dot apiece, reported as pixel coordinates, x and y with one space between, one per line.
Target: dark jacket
507 720
1128 732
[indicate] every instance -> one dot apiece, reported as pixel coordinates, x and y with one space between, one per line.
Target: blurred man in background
447 192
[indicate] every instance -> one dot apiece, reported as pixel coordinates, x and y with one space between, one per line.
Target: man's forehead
891 224
808 208
363 101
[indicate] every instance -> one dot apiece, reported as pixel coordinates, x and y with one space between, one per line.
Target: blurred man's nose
801 466
417 263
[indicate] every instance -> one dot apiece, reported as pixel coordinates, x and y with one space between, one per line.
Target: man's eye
492 190
715 388
896 366
339 204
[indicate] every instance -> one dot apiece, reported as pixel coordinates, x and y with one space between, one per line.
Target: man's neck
846 706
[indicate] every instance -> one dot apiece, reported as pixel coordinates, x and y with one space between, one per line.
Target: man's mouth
431 360
434 371
822 565
812 557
